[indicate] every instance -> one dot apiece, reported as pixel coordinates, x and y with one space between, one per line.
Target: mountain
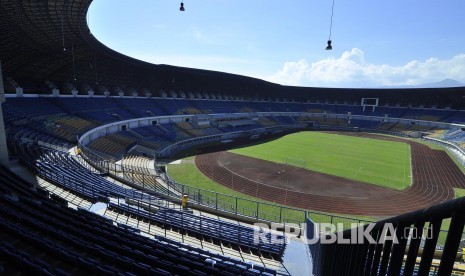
443 83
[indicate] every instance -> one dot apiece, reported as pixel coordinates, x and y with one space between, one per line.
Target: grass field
187 173
459 192
379 162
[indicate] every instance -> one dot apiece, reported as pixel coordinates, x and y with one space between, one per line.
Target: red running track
434 176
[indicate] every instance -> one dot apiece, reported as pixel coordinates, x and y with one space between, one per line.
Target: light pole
256 190
287 185
232 180
285 198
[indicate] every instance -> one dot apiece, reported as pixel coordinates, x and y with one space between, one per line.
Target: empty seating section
98 109
246 109
387 126
174 133
75 124
114 145
138 163
140 172
60 120
419 128
399 126
319 108
314 110
64 171
193 110
452 134
454 117
404 127
265 122
154 137
147 131
215 106
64 118
425 114
291 107
174 106
112 109
365 124
140 108
61 159
15 109
191 129
343 123
284 120
27 134
345 109
40 237
455 136
209 130
10 183
438 133
246 127
262 106
203 226
329 121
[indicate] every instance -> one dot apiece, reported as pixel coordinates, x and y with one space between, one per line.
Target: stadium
116 166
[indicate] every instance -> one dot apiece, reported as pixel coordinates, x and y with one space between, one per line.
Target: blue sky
376 43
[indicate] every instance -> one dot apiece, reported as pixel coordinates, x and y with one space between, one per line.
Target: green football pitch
380 162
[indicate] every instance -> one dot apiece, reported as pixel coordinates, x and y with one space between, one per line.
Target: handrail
215 201
449 144
387 255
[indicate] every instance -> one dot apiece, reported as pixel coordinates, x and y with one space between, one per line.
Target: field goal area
296 162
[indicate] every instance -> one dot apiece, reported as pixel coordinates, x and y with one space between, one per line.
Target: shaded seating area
206 227
40 237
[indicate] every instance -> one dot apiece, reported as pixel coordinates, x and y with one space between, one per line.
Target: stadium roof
35 33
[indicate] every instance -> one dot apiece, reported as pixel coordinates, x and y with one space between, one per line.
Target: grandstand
80 191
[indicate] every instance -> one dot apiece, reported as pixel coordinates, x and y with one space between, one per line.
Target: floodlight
329 47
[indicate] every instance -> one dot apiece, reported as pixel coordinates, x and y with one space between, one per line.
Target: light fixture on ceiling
329 46
182 7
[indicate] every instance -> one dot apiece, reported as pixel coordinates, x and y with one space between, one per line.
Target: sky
376 43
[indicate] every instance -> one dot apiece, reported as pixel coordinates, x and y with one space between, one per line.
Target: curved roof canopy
34 34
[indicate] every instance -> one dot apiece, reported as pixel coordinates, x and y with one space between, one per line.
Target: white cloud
352 70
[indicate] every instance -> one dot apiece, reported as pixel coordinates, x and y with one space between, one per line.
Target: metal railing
163 185
156 213
386 256
457 151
